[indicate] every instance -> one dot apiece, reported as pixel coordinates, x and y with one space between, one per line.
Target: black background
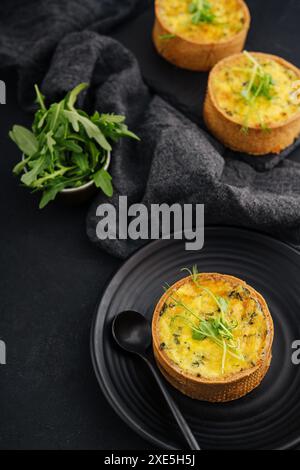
51 276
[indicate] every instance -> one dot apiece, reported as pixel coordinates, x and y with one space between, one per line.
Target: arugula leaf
25 140
40 119
66 147
91 129
40 99
102 180
124 132
110 118
61 132
50 141
94 154
50 194
29 177
73 95
55 111
72 146
81 160
19 167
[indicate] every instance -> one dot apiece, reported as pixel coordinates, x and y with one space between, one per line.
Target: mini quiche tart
250 104
212 337
196 34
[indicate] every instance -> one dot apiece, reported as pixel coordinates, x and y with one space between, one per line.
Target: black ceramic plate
269 417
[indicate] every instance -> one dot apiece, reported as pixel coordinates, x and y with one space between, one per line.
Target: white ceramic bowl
74 196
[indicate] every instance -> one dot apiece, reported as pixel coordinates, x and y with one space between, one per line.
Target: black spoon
132 332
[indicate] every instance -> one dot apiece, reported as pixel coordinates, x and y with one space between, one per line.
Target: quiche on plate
212 337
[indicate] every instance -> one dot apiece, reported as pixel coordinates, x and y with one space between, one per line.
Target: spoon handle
183 425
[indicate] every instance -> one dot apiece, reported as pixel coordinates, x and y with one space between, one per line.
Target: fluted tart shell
254 140
220 389
192 54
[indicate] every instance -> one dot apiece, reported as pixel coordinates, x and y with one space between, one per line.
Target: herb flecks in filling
213 328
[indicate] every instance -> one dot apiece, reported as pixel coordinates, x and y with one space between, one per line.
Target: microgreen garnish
260 84
218 329
165 37
201 11
220 301
66 147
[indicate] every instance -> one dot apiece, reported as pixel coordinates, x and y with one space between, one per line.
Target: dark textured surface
51 276
50 279
269 416
176 161
184 166
30 31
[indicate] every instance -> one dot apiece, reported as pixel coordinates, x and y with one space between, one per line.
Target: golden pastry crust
192 53
221 388
273 138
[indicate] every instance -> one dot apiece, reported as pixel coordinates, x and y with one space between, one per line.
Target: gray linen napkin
176 161
31 30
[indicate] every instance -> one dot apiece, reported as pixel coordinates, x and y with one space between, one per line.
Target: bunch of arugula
260 84
201 11
216 328
66 147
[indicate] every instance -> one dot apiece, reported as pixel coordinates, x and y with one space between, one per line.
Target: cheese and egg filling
192 332
226 18
274 103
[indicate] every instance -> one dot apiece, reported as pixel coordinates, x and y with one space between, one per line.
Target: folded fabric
176 161
31 30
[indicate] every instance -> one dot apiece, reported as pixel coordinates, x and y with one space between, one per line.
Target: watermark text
2 353
138 222
2 92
